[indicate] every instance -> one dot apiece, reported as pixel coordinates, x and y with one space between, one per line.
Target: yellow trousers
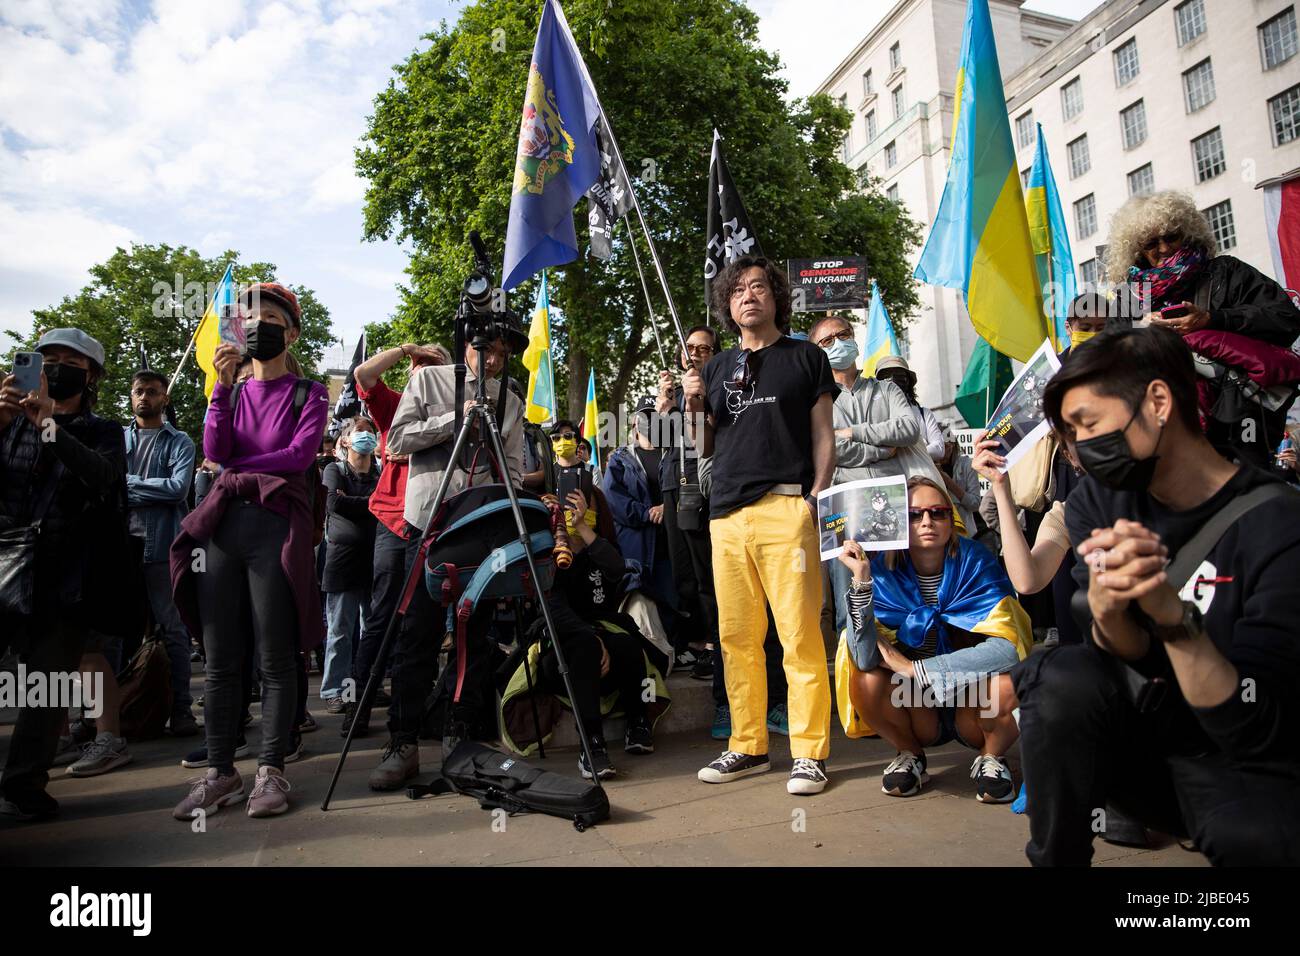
767 553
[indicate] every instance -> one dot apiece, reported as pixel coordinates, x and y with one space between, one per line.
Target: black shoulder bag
18 551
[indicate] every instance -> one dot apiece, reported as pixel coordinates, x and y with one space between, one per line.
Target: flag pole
654 253
654 326
194 335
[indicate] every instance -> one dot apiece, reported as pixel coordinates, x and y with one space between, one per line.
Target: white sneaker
807 776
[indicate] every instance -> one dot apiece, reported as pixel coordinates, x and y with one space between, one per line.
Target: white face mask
842 353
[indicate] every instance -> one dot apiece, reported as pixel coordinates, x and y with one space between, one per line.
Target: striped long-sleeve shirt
860 612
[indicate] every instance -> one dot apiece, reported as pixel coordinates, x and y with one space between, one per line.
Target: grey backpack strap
235 390
1202 543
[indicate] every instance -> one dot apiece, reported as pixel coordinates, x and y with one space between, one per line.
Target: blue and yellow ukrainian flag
979 241
1050 241
590 421
208 335
540 407
880 334
558 157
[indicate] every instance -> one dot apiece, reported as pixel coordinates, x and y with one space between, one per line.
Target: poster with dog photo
1018 422
870 511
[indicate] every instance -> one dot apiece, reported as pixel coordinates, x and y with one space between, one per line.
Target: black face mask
1109 459
64 381
265 341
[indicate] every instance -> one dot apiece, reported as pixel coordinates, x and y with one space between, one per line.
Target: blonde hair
893 558
1144 217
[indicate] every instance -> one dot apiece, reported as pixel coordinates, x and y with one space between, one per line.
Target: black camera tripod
480 411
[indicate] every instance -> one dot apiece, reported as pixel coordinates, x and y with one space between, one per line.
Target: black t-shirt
761 434
1251 611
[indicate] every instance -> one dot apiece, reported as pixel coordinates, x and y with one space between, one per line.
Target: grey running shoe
270 794
101 755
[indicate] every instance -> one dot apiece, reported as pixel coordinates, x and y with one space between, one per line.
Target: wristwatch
1190 626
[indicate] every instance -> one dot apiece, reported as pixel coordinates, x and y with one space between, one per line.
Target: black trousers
581 643
1084 745
386 590
692 562
416 666
55 646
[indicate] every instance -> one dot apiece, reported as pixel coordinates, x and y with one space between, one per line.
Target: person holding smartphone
63 465
254 532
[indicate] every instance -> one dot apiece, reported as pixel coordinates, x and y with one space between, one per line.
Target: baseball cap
76 340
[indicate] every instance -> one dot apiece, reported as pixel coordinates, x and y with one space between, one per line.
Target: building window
1141 181
1078 152
1133 124
1126 63
867 88
1219 216
895 57
1285 112
1025 129
891 155
1208 159
1088 275
1072 99
1198 86
1024 178
1277 40
897 95
892 193
1189 18
871 125
1085 217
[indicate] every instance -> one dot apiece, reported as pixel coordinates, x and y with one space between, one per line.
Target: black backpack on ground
501 780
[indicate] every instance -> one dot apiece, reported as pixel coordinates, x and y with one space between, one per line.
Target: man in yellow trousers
763 413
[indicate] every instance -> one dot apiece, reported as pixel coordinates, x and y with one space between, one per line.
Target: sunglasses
700 349
743 375
1169 239
936 514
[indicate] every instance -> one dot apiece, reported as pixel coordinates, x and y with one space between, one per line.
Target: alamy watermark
66 689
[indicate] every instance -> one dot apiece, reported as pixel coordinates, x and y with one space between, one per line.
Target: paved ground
662 815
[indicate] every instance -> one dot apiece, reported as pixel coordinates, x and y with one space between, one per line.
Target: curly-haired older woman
1163 249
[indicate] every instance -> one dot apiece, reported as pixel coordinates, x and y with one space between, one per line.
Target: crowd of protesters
1156 677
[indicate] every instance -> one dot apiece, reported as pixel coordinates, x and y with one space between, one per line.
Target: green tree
151 298
439 155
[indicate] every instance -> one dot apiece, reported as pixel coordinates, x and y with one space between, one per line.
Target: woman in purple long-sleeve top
246 552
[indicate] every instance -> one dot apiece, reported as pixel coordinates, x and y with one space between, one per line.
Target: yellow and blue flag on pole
979 241
1050 241
208 336
540 407
880 334
559 155
590 429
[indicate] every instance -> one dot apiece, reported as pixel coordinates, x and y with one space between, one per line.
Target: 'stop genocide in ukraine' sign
828 284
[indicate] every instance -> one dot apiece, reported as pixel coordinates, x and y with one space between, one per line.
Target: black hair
713 334
1122 364
561 423
729 278
1091 305
149 375
583 443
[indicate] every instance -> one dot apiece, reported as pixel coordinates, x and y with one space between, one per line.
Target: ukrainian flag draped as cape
540 407
880 334
980 238
975 596
1050 240
208 336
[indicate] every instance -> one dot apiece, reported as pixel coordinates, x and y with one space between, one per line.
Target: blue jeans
346 612
947 673
167 621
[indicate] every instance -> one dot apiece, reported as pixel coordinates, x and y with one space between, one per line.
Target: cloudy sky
174 120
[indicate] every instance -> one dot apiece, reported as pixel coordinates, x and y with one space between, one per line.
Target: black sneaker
29 805
993 779
703 669
905 775
199 758
363 726
640 739
807 776
295 749
600 756
732 766
1123 830
685 658
453 733
308 724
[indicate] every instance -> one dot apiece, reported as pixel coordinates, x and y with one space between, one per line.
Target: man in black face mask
63 465
1182 708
